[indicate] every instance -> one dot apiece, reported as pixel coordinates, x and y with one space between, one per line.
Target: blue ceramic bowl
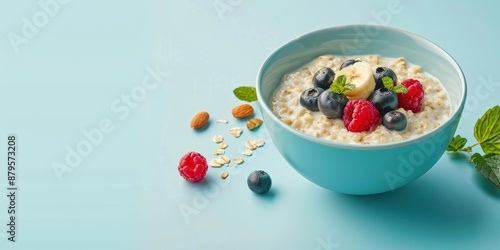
350 168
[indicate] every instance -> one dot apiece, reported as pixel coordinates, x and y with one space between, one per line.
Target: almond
199 120
242 111
253 123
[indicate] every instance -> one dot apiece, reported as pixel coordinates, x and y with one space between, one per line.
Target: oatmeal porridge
435 108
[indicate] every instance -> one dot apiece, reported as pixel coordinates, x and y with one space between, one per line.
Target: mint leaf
246 93
349 87
487 131
389 84
340 85
456 144
400 89
489 166
478 160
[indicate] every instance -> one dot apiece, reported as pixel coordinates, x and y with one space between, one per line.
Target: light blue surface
90 56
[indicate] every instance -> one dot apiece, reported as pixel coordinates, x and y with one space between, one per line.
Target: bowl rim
455 112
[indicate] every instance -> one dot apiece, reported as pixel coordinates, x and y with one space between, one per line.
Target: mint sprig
246 93
389 84
340 85
487 134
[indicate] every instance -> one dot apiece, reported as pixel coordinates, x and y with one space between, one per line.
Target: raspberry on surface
193 167
413 99
360 115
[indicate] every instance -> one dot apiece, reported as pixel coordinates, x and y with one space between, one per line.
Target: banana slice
359 74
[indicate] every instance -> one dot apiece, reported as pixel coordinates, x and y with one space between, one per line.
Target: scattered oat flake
236 131
224 175
247 152
259 142
219 152
250 145
220 161
215 163
225 159
218 138
222 121
238 160
223 145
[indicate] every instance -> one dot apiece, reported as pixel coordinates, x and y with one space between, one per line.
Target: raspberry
414 98
360 115
193 166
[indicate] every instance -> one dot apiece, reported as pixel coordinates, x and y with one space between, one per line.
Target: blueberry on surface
309 98
348 63
259 182
332 104
380 72
384 100
323 78
395 120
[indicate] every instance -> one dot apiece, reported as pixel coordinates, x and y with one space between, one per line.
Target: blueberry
259 182
380 72
323 78
309 98
332 104
395 120
384 100
348 63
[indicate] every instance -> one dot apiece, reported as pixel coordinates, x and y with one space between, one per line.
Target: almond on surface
199 120
254 123
242 111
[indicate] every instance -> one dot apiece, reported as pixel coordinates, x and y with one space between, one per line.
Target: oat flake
238 160
250 145
219 152
225 159
224 175
218 138
215 163
236 131
259 142
223 145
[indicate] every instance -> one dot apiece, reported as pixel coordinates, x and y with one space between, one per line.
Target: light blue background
126 193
